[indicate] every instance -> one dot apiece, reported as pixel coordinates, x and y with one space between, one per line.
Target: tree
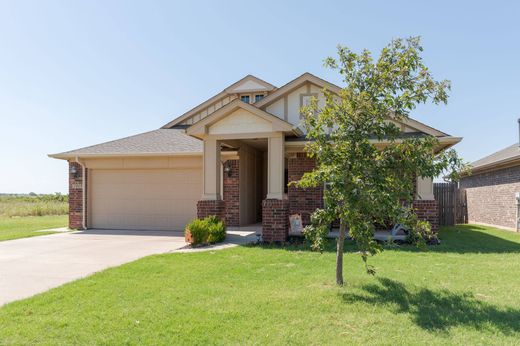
367 167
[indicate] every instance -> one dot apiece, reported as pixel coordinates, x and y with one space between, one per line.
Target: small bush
208 230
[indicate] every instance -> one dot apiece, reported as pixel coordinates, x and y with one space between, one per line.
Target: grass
22 227
464 291
33 205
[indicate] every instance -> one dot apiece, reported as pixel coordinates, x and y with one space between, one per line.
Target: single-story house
231 156
491 188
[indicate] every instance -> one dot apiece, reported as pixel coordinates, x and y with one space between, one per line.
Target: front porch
244 167
247 164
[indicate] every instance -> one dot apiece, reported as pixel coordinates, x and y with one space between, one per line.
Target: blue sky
76 73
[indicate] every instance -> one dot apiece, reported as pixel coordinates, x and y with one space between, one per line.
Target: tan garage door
149 199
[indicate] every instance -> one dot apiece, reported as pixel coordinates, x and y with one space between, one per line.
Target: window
258 97
244 98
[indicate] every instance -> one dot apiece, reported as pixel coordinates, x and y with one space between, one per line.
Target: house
492 187
231 156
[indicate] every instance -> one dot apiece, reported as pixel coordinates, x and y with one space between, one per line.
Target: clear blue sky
76 73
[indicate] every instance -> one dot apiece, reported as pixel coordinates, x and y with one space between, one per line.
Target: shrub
208 230
216 230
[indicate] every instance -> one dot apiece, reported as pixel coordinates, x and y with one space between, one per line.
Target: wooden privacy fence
452 203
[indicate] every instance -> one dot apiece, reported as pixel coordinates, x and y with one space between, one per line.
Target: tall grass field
33 205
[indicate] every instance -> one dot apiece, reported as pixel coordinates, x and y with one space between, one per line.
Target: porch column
425 188
425 206
275 209
275 162
211 169
211 203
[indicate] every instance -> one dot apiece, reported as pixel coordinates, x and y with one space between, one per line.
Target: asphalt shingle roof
510 153
161 141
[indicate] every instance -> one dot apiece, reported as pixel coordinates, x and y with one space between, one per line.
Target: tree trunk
339 253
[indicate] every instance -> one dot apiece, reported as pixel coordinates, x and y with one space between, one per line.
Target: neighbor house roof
159 142
506 156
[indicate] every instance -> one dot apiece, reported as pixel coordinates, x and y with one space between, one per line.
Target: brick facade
275 220
305 201
427 210
231 193
302 201
211 207
76 196
490 196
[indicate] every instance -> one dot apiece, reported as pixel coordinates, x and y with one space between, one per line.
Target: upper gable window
259 97
244 98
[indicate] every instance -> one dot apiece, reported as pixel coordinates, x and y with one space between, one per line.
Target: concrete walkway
33 265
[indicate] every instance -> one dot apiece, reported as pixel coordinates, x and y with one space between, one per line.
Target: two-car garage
143 194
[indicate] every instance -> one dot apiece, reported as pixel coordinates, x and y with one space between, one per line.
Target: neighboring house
231 156
492 186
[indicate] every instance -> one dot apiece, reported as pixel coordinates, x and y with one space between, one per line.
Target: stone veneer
211 207
231 193
490 196
275 220
76 196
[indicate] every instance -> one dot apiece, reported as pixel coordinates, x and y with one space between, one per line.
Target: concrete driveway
33 265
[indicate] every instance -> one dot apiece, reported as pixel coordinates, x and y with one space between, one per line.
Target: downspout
517 195
83 194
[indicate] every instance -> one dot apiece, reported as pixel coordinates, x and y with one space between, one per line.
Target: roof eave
65 156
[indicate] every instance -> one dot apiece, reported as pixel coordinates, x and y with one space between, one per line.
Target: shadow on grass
438 310
457 239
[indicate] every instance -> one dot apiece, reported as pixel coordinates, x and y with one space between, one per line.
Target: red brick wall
275 220
76 196
232 193
302 201
427 210
490 196
207 208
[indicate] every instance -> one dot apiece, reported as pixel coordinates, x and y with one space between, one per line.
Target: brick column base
209 207
427 210
231 193
275 220
76 196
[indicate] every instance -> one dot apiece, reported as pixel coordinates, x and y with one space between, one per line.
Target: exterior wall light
227 168
74 171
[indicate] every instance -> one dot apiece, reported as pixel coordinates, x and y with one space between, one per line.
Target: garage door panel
161 199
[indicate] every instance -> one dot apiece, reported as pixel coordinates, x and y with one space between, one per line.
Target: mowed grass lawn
22 227
465 291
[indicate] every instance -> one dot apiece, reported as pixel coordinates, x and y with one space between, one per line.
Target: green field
464 291
33 205
22 215
23 227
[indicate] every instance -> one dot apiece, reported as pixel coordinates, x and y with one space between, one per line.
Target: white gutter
83 194
68 157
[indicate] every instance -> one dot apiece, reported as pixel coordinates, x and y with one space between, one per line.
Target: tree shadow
438 311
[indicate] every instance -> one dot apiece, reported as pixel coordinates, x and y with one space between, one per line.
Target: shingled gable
272 122
248 84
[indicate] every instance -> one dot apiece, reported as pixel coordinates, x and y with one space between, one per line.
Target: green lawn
22 227
465 291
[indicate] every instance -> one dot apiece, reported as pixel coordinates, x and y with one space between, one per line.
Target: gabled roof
294 84
249 83
162 142
278 124
498 159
